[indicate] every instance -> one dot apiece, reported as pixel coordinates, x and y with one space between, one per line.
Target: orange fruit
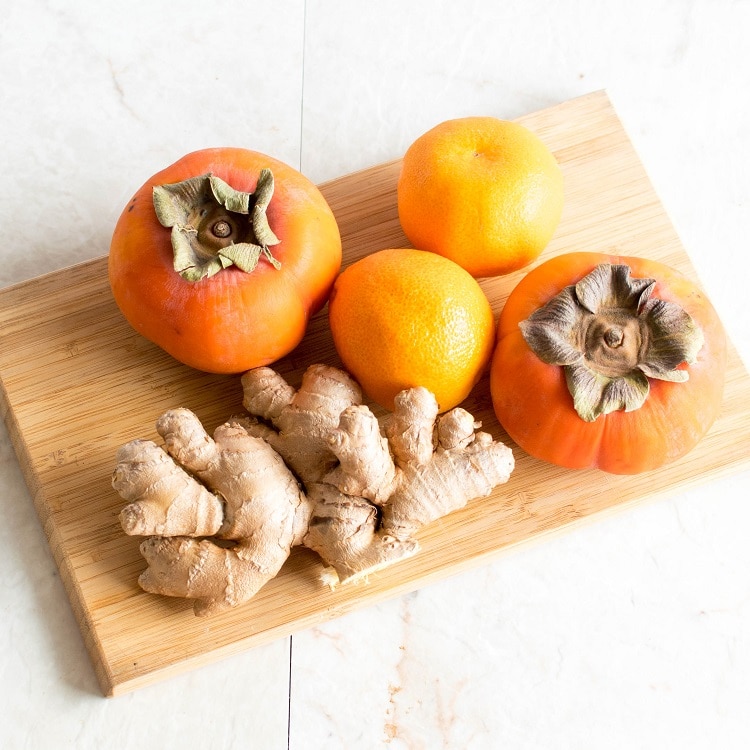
405 318
486 193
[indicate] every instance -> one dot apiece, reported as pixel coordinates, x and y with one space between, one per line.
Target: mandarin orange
484 192
402 318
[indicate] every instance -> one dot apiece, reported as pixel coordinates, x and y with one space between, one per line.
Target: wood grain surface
77 382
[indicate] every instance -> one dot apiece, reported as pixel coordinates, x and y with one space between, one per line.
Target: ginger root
311 466
233 487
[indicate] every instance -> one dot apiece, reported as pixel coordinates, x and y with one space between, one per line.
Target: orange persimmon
221 258
607 361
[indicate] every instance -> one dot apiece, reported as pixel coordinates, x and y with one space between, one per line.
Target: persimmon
607 361
222 258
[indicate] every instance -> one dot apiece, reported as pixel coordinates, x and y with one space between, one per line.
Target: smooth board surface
77 382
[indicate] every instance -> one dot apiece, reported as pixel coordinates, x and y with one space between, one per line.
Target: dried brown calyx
611 336
215 226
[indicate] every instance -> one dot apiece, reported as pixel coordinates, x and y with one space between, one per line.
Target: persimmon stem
611 337
215 226
221 229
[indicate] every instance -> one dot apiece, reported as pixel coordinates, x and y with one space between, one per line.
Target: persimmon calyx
611 336
215 226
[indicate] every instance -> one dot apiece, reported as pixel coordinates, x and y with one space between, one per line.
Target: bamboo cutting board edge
85 299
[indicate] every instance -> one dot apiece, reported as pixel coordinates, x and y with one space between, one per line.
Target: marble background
632 632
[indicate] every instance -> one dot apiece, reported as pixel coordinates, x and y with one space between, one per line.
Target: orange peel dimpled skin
402 318
484 192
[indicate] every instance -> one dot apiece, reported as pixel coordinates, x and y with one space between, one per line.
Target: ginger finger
341 526
186 439
307 417
217 578
411 426
265 393
163 498
343 532
365 467
455 429
446 483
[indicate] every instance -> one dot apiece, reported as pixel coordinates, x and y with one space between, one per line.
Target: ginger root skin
311 466
163 499
385 479
250 496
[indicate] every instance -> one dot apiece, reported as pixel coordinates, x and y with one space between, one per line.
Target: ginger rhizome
311 466
233 487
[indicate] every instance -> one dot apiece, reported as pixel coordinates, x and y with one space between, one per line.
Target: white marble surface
633 632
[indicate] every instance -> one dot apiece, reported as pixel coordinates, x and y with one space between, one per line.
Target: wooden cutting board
77 382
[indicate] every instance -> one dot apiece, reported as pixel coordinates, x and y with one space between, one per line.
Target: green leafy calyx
215 226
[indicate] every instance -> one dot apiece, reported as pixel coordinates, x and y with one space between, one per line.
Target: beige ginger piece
162 497
387 480
236 484
369 485
298 424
